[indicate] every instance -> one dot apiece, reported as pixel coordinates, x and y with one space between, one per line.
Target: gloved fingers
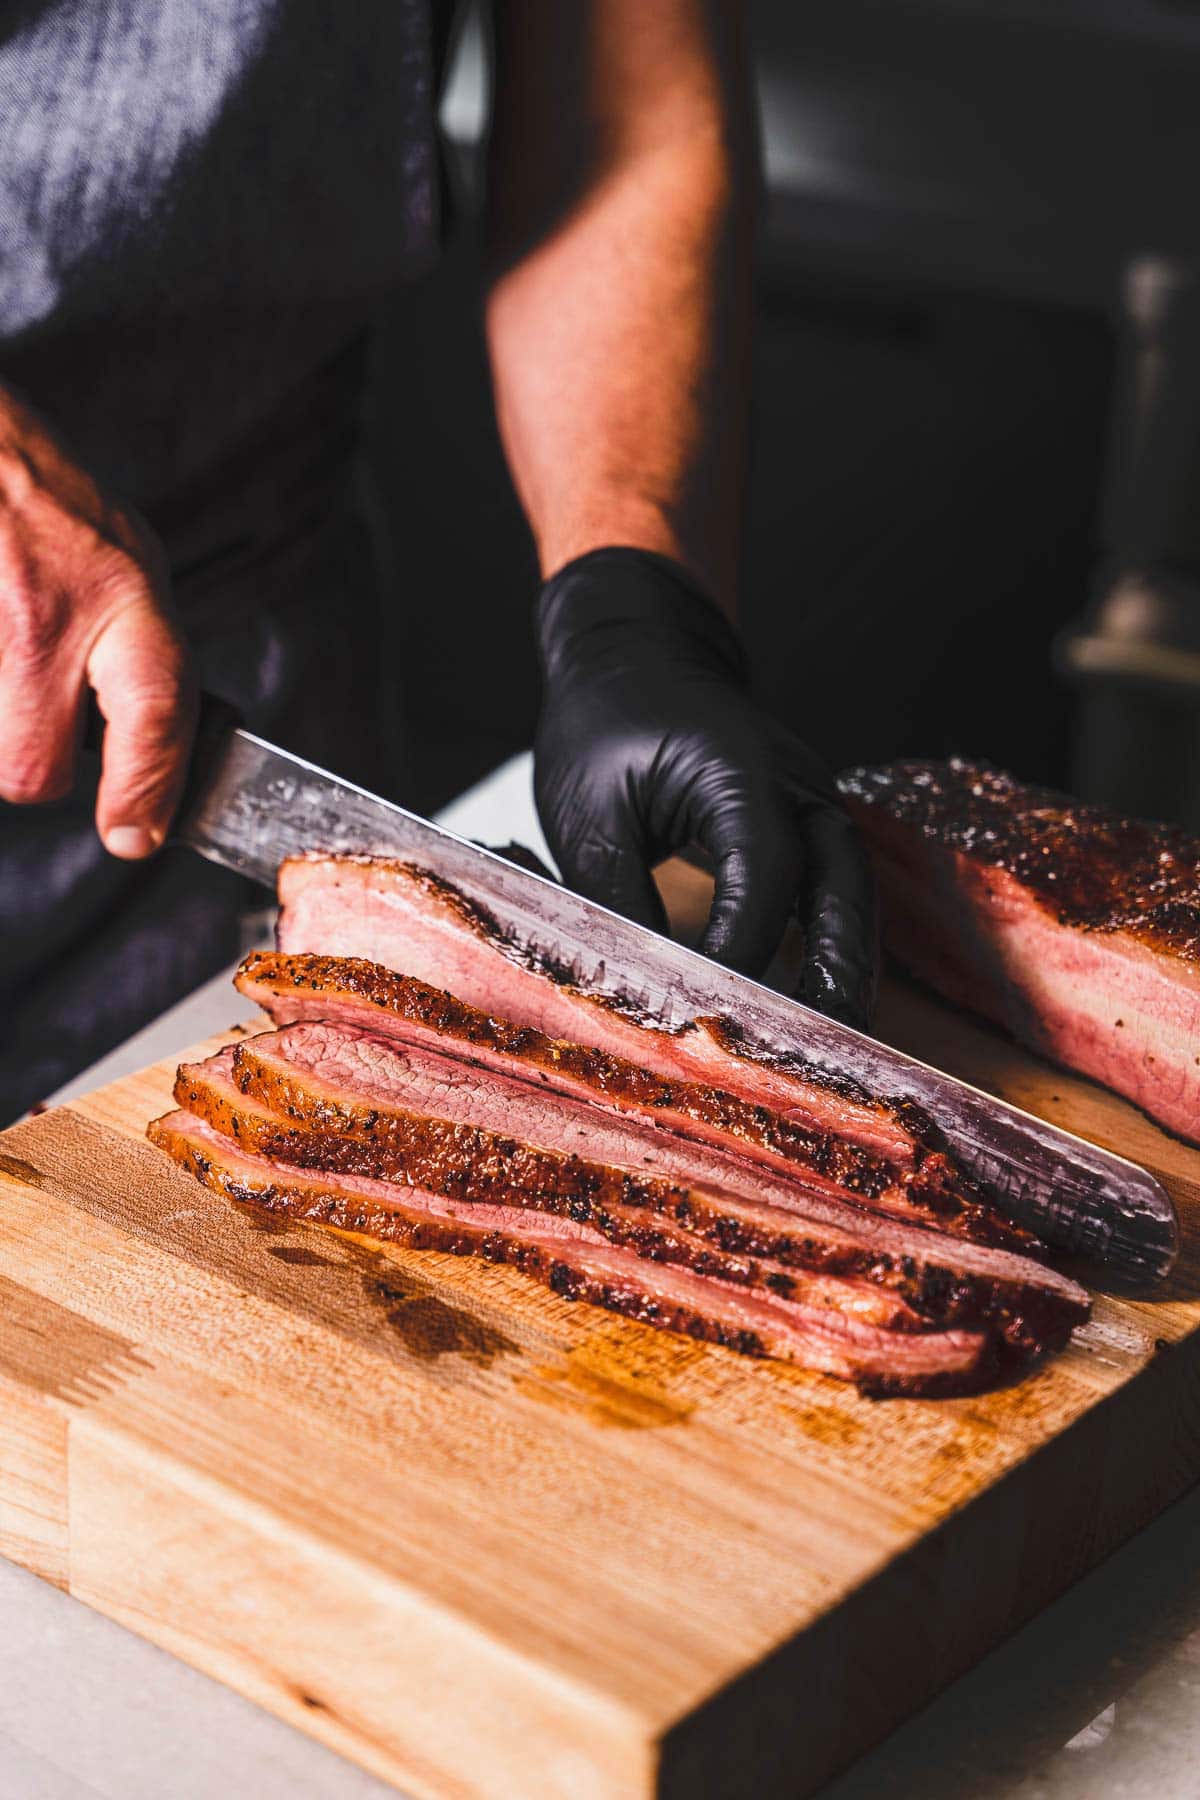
757 860
521 855
838 913
617 875
598 848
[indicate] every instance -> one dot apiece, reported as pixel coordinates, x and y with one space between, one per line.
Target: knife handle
215 719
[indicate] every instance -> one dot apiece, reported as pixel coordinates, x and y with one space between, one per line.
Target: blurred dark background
969 203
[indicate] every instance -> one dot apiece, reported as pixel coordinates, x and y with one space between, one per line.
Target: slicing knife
249 805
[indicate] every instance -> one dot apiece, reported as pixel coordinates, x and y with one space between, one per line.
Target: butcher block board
490 1543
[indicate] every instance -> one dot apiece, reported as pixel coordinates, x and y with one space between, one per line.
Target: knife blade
249 805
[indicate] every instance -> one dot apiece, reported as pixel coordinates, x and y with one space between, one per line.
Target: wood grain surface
491 1543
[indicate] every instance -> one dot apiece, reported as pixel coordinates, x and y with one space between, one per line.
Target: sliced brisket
924 1186
412 921
256 1099
1077 930
345 1098
309 1069
580 1264
687 1178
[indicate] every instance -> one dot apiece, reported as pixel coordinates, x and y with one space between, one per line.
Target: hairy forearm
623 182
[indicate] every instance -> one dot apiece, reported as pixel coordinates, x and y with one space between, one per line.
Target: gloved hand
649 741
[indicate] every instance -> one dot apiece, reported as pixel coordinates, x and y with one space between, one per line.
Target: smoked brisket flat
919 1182
1076 929
327 1096
411 921
437 1084
462 1161
580 1264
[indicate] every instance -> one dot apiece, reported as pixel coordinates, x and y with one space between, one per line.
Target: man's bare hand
83 605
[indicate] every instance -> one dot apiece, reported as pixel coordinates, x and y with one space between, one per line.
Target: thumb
139 671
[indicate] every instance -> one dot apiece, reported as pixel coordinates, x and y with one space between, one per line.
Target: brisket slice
414 922
368 1085
1076 929
339 1079
461 1161
351 990
579 1264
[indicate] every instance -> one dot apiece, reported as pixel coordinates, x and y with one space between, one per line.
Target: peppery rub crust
312 1201
932 1188
612 1076
1091 869
475 1164
477 919
652 1217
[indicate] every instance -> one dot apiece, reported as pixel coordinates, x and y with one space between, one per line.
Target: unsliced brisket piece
360 1112
461 1161
348 989
1076 929
579 1264
412 921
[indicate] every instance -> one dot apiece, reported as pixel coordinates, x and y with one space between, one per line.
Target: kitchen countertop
1097 1699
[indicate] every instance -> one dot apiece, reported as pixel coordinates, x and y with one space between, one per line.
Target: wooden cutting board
490 1543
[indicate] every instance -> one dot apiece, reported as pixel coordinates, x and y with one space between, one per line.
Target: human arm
622 187
622 192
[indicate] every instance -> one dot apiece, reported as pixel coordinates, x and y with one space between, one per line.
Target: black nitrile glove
649 741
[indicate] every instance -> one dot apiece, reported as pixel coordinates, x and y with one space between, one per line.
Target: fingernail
131 842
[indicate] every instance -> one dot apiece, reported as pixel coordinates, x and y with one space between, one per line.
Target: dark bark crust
1091 869
651 1216
326 1206
932 1188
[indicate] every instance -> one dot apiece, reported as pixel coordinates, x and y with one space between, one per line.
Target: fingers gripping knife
250 805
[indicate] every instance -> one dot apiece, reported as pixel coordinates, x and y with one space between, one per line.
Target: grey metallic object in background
250 805
1135 657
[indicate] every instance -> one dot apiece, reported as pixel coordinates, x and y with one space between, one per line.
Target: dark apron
276 573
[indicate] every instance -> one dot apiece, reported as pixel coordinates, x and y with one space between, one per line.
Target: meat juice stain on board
297 1258
791 1406
427 1326
604 1377
261 1220
831 1425
577 1388
430 1328
618 1376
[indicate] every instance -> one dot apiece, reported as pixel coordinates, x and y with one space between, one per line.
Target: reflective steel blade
251 805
